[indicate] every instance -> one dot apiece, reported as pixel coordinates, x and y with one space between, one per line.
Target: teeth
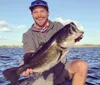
40 18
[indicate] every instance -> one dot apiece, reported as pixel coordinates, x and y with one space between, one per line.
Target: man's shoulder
28 32
57 23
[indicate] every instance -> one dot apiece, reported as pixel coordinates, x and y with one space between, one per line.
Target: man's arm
27 58
28 43
29 51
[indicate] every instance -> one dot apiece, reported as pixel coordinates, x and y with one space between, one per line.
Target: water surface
11 57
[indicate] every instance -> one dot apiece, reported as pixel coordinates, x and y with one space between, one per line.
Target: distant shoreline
11 46
86 45
76 46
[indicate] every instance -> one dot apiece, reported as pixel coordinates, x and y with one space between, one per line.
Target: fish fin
11 75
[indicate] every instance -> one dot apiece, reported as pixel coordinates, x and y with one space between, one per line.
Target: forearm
28 57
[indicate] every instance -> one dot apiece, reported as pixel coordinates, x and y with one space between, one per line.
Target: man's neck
42 28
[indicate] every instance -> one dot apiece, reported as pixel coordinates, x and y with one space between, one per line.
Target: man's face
40 15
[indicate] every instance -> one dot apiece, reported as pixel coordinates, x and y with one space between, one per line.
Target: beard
42 24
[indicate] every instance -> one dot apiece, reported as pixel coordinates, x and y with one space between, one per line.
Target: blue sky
15 18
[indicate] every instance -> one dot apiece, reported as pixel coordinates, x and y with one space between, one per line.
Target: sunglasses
34 3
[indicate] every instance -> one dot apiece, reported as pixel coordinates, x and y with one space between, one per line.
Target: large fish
49 54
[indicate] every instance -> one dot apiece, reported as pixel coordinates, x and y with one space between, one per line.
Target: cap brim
31 7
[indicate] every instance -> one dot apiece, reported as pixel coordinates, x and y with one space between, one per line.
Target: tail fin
11 75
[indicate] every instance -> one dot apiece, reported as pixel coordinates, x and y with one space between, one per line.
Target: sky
15 18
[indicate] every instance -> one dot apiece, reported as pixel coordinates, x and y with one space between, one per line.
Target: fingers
27 72
22 63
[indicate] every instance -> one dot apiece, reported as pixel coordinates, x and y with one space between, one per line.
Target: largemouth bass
49 54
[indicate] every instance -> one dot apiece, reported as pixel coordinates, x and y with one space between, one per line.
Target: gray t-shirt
33 39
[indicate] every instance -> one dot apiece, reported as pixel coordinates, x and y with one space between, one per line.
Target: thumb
22 63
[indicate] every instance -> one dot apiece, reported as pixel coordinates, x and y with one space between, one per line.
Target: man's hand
27 59
79 38
27 72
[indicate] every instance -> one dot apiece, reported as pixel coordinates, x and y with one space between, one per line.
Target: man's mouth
40 19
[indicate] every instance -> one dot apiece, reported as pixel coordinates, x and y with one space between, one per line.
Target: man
36 36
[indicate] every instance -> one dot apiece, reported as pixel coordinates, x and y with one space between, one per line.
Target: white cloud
5 27
64 22
21 26
3 38
3 23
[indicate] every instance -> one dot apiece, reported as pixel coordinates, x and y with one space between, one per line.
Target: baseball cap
38 3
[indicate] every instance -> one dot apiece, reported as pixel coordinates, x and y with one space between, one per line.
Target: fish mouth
79 37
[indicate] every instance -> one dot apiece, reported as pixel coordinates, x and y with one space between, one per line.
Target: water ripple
11 57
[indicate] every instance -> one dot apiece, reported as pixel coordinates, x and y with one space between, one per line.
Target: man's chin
40 24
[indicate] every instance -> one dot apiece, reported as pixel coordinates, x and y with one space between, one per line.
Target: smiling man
39 33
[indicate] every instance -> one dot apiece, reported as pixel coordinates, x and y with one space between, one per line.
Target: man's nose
39 14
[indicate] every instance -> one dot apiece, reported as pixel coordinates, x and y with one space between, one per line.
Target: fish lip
79 37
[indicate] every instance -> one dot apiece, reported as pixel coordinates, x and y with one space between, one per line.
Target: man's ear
31 13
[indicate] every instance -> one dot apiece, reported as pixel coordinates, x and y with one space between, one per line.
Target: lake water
11 57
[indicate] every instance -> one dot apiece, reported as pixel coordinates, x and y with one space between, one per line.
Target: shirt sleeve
28 43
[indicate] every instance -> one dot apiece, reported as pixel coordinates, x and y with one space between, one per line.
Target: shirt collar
47 28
